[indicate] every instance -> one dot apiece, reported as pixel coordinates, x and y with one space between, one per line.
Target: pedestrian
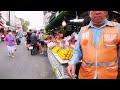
41 40
18 38
28 36
41 35
10 42
97 46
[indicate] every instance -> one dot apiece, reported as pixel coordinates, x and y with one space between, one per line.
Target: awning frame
51 24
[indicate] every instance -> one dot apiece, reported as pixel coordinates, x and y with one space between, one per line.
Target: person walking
10 42
18 38
98 46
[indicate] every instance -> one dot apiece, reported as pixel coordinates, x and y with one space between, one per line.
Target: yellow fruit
62 58
62 51
60 55
56 49
66 58
66 52
67 55
70 57
63 55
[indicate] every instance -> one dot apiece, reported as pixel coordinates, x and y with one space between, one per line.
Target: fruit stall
59 54
59 61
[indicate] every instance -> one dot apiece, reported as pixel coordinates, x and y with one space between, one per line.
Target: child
10 42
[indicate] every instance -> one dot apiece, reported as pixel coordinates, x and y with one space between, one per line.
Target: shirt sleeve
77 55
119 56
119 49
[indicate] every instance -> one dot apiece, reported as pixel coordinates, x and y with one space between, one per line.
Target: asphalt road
23 65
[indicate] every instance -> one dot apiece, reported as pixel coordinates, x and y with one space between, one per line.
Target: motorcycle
34 49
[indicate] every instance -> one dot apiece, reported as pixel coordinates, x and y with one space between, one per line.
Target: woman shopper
10 42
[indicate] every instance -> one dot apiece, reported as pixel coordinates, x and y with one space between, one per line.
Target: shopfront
1 28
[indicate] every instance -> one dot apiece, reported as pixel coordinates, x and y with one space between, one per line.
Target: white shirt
41 36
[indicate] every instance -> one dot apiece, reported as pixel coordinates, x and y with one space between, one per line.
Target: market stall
58 65
59 53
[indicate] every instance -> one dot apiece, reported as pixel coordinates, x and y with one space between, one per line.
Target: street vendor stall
59 54
58 65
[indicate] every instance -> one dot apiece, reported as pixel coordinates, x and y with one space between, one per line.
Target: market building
18 25
7 20
12 20
4 19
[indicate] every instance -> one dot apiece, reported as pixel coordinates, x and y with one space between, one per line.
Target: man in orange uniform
98 48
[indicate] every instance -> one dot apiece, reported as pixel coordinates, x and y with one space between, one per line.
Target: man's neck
99 24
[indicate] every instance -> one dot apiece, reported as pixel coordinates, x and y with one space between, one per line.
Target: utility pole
9 18
0 15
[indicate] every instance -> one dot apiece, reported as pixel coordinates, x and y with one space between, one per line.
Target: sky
34 17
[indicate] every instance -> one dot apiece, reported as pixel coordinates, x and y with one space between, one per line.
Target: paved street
23 65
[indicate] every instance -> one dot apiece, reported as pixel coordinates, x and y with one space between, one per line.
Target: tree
25 24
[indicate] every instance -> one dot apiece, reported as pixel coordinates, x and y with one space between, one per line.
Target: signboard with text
12 28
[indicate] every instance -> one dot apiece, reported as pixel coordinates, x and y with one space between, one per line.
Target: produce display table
58 65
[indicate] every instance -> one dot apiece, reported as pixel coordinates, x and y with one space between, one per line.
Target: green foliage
25 24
